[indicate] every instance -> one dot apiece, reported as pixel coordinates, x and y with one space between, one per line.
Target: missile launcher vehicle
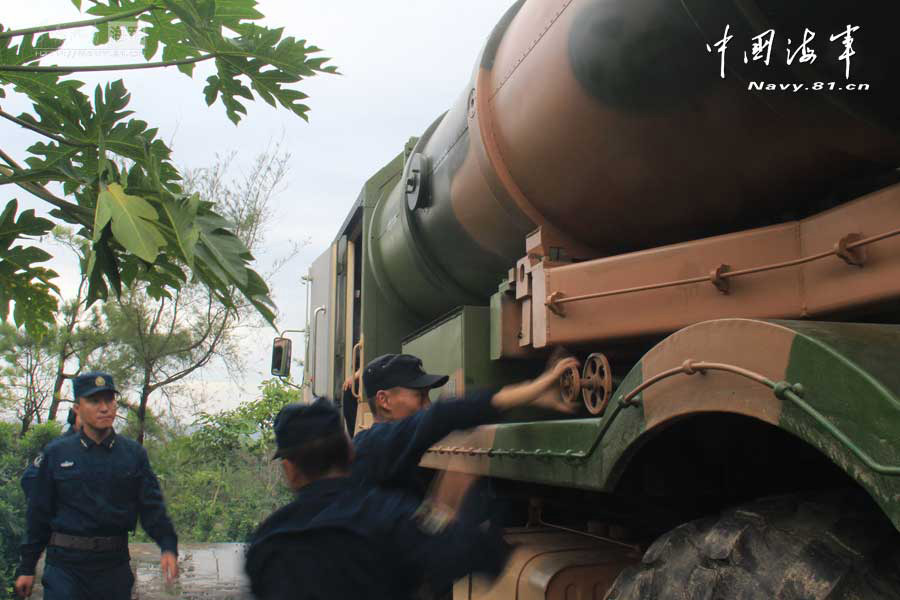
700 199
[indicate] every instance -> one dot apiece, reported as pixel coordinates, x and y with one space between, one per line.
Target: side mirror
281 357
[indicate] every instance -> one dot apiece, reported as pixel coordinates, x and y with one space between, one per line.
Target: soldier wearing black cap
89 491
31 471
339 541
73 421
407 424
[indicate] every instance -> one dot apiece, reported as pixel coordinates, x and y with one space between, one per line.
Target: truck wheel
835 547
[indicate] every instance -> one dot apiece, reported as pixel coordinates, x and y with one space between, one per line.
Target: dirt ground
208 572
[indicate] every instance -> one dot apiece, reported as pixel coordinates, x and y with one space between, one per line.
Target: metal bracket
855 256
551 304
721 283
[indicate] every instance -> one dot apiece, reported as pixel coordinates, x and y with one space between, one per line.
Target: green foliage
247 428
12 513
197 29
26 366
34 367
22 282
219 481
15 454
37 437
141 225
132 219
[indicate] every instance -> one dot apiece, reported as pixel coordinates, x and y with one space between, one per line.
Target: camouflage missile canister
610 125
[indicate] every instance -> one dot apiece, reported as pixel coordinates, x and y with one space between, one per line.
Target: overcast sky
403 62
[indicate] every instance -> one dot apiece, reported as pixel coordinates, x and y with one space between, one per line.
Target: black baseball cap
399 370
88 384
299 424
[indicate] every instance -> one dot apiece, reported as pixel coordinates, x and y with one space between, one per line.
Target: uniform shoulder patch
38 460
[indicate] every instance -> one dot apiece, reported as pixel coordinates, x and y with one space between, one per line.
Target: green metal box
458 344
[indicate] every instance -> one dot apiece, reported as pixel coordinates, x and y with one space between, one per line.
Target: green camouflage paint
846 370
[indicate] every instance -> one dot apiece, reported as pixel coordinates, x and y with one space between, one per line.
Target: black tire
835 547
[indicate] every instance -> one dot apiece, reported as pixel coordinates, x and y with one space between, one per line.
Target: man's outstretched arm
400 445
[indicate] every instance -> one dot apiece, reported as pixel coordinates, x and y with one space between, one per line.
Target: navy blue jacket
337 541
388 453
88 489
31 471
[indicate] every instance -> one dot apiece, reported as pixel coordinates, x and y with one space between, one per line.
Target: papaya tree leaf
134 222
181 218
139 224
27 285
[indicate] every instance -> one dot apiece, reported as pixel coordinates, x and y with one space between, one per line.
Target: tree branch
93 68
187 371
138 316
75 24
219 330
81 214
152 329
42 131
172 323
210 324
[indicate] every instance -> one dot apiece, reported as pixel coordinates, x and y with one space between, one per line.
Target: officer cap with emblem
399 370
299 424
88 384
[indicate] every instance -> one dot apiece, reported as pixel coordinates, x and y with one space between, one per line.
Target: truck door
350 290
319 370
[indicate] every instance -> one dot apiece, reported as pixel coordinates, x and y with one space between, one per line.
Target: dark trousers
67 582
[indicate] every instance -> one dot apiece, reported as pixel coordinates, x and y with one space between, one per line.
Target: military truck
700 200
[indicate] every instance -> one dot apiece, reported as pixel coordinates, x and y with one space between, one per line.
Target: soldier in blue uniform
339 541
89 491
31 471
407 424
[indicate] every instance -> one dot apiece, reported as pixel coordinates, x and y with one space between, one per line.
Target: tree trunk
26 423
56 398
64 353
30 407
142 407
